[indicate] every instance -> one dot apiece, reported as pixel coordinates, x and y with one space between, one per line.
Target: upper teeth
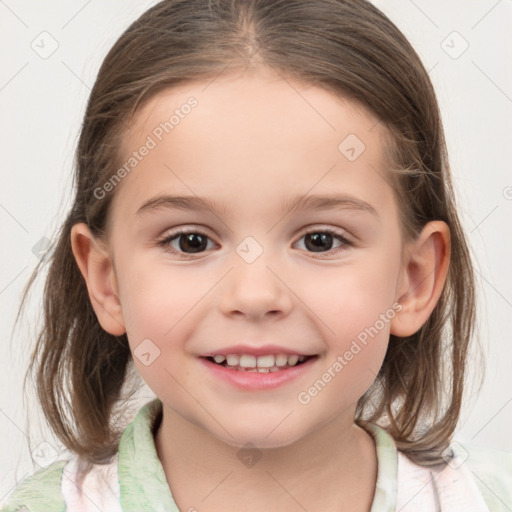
249 361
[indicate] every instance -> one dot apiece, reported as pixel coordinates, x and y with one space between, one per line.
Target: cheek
356 332
154 299
356 305
156 316
355 296
156 310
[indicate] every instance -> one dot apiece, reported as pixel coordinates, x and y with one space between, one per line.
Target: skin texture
254 142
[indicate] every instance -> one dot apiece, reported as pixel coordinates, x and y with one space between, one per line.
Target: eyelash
173 236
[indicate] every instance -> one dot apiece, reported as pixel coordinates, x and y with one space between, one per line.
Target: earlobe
424 271
97 269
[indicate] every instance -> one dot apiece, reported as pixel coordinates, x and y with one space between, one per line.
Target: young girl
264 227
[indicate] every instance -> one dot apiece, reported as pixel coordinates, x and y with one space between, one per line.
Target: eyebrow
302 202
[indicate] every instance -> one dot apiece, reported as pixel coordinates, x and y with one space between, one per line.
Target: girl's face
320 276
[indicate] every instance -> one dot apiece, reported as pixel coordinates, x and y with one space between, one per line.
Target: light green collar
384 499
144 486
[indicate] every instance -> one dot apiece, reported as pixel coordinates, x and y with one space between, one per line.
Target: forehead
260 134
254 103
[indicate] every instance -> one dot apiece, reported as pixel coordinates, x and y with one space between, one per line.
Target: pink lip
255 351
255 381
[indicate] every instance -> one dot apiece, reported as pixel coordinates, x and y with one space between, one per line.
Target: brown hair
348 47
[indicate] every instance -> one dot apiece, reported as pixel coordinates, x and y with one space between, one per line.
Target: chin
261 436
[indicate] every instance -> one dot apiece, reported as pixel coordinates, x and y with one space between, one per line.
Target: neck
331 468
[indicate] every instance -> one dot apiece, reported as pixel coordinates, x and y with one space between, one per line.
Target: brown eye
317 242
324 241
191 242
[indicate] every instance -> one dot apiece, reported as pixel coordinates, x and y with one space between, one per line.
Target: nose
255 291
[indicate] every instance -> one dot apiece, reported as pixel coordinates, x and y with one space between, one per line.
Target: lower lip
255 380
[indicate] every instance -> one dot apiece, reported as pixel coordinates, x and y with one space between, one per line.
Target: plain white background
466 46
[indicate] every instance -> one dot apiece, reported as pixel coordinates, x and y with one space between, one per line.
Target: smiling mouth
262 364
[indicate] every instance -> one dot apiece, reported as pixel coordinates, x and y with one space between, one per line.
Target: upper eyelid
307 229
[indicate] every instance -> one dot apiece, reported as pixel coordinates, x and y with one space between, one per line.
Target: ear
97 269
424 269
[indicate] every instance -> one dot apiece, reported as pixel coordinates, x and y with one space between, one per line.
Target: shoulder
73 485
39 492
67 485
86 484
472 478
492 472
